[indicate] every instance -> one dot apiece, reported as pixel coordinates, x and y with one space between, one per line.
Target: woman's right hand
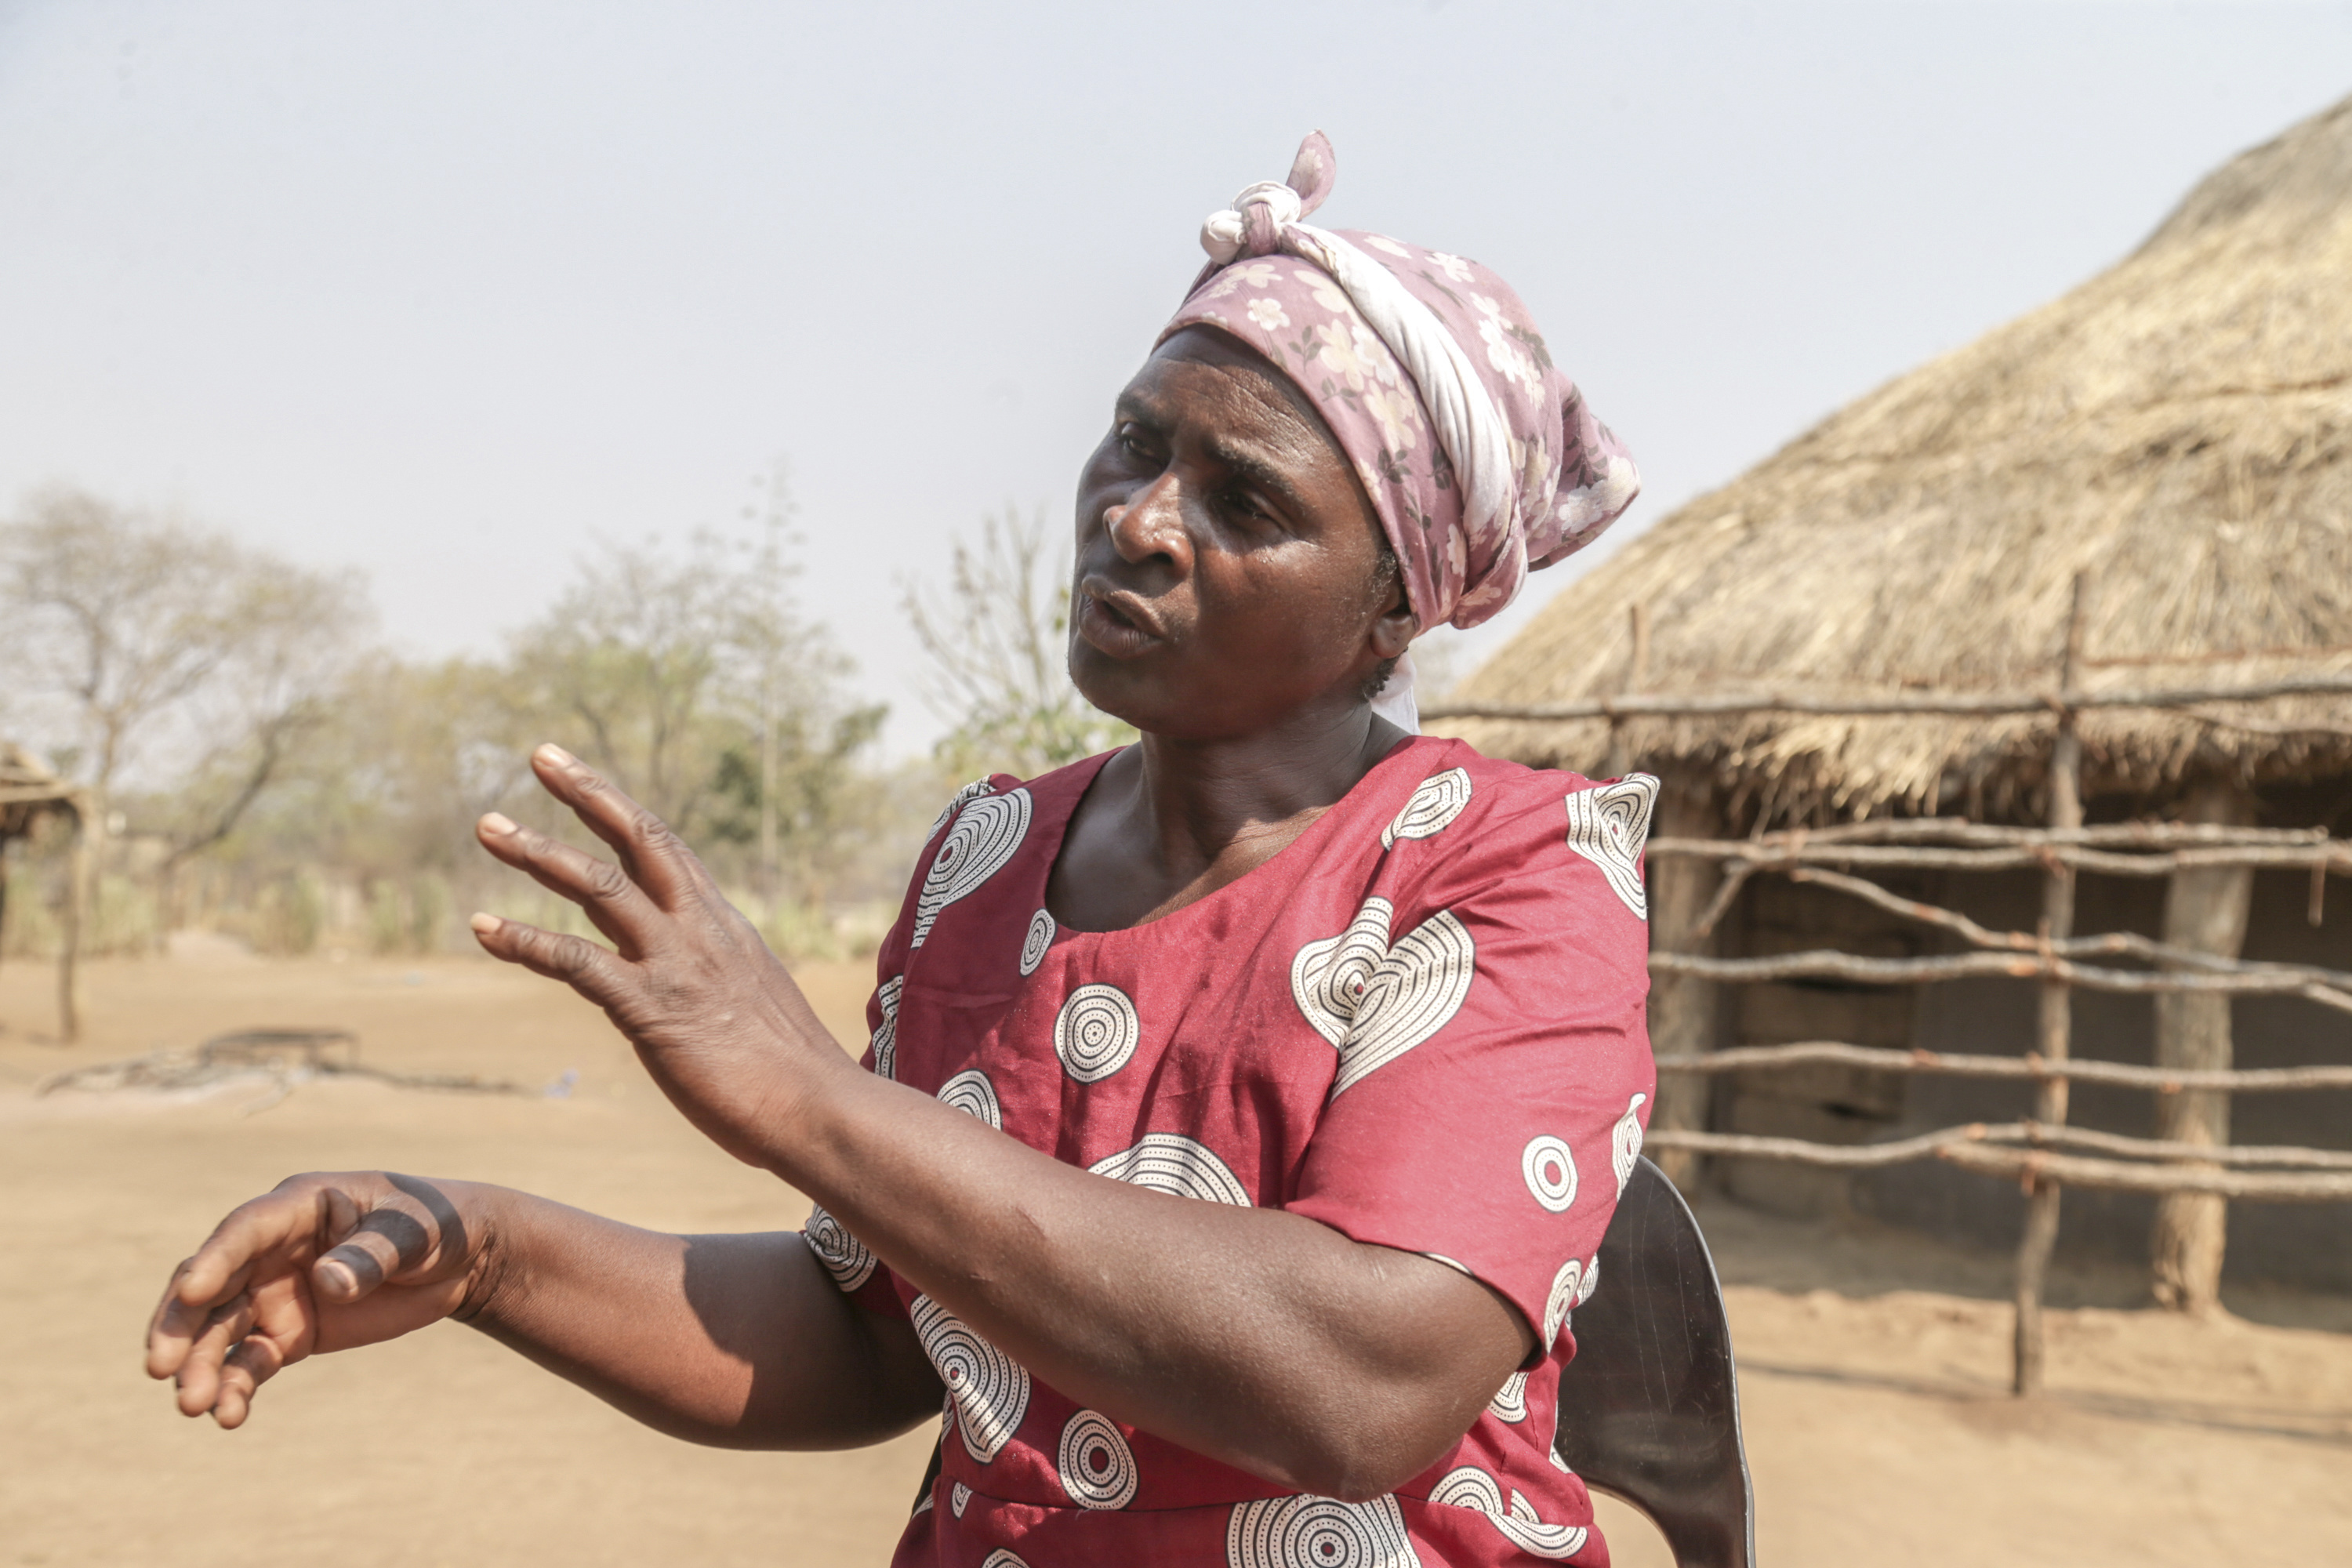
322 1263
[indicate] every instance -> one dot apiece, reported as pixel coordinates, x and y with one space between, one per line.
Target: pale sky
443 291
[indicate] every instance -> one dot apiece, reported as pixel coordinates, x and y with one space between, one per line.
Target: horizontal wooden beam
1979 704
2334 856
1828 963
2163 1080
1972 1149
1961 831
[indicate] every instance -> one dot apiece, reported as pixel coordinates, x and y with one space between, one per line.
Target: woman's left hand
713 1014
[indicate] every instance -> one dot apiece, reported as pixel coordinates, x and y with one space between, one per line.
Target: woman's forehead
1201 376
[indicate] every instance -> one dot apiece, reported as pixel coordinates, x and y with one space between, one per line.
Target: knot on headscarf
1478 454
1254 225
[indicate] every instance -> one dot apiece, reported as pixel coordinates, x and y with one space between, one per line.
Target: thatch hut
30 791
2178 431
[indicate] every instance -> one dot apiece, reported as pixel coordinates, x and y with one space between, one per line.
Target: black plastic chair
1649 1410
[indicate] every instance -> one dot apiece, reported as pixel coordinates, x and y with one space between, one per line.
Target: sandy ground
1874 1364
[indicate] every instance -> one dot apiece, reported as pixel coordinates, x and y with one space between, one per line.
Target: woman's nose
1151 525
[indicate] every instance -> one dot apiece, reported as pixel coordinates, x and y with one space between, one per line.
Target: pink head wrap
1480 457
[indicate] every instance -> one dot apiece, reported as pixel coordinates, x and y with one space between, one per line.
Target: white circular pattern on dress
1608 825
1001 1558
1096 1032
971 1092
1564 1297
1098 1466
1171 1162
1376 1002
987 832
1591 1281
1550 1168
1625 1142
989 1388
958 1497
1433 806
886 1038
969 792
843 1256
1328 978
1306 1531
1510 1401
1040 938
1471 1487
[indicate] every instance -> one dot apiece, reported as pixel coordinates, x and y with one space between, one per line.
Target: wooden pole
77 910
2205 910
2055 1021
1682 1010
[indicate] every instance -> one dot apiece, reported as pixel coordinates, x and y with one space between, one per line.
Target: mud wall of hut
2305 1244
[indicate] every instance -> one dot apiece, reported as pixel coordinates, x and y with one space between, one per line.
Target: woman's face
1228 563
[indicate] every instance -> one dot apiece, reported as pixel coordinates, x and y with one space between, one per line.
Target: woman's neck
1168 822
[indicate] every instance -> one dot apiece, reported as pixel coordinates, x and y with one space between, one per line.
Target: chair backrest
1649 1410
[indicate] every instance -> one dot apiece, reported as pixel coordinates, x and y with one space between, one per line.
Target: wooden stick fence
2035 1152
2041 1153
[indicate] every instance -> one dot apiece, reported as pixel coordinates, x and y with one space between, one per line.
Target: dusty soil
1874 1364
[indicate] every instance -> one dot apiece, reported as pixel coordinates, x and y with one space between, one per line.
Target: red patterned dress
1420 1023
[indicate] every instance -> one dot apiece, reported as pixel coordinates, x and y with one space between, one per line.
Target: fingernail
498 822
556 755
485 923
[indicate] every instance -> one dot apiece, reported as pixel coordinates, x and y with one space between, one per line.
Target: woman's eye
1131 441
1244 505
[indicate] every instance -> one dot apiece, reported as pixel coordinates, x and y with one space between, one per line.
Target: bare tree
999 643
630 663
690 675
158 653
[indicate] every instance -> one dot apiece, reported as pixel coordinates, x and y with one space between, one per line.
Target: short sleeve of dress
861 1275
1494 1075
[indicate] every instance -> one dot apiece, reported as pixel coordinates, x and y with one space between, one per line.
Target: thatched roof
29 788
2180 426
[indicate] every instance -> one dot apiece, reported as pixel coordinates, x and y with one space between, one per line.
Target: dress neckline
1305 848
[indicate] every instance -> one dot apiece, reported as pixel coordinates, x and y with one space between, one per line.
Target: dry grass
2180 427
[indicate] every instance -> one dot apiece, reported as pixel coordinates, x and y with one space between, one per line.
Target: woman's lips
1114 623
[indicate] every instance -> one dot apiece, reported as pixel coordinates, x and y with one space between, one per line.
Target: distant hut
2179 429
30 791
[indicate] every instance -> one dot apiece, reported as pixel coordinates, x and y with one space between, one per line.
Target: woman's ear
1393 629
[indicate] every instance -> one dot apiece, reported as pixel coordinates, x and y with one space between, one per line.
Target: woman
1243 1109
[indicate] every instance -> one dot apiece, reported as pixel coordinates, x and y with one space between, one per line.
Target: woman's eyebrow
1133 405
1254 469
1243 462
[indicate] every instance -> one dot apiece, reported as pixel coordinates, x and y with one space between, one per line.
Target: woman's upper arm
1497 1142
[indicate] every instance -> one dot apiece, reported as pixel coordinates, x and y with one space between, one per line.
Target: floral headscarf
1480 457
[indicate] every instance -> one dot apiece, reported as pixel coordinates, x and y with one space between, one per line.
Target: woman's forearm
1255 1337
1260 1338
735 1340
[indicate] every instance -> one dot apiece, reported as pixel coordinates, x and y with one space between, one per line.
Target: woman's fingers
174 1326
255 1360
619 908
220 1270
398 1236
198 1378
649 851
596 973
